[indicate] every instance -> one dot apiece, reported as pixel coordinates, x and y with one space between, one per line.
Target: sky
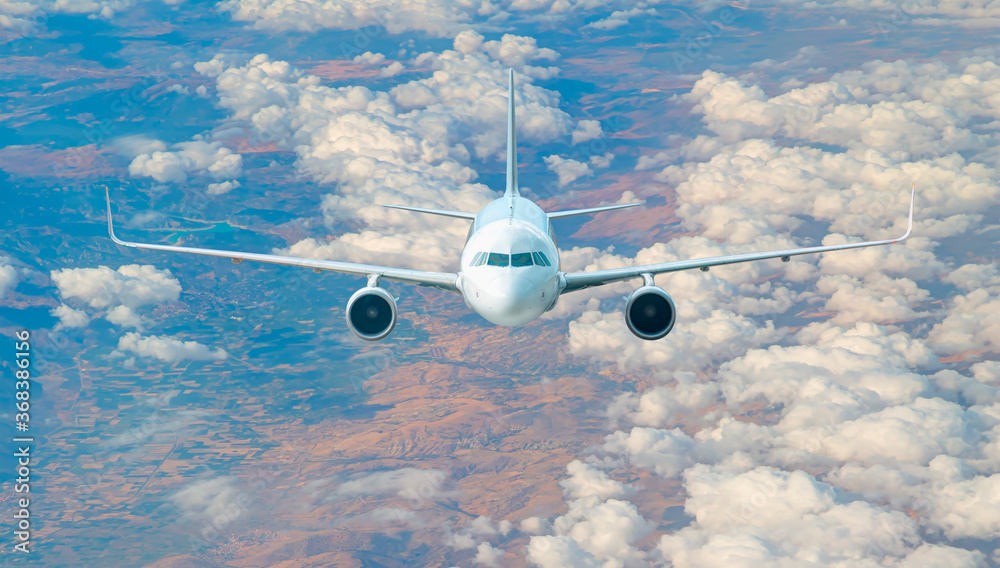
839 410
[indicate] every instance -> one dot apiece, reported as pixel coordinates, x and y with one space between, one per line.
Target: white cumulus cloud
197 156
8 277
566 169
167 349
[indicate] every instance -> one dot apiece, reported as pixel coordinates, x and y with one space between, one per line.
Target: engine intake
371 313
650 313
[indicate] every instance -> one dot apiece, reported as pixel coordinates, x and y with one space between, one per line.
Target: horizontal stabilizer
442 212
572 212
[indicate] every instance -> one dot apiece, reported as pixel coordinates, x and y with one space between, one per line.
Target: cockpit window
498 259
520 259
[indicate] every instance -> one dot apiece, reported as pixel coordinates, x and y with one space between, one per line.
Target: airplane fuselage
510 265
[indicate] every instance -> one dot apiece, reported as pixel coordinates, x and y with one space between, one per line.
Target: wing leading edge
581 280
443 280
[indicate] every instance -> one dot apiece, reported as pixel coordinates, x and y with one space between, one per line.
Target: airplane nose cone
510 302
513 294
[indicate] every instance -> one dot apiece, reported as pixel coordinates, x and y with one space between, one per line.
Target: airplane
509 271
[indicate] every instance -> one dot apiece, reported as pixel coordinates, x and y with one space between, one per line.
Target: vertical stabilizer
511 143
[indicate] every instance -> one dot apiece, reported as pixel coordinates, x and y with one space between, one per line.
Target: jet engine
371 313
650 313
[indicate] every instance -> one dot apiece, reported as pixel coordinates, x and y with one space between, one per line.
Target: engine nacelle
371 313
650 313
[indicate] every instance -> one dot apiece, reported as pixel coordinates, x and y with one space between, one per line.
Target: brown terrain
497 412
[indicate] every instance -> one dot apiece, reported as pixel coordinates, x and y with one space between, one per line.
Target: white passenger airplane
509 271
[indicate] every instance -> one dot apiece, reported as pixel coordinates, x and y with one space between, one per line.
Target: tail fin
511 143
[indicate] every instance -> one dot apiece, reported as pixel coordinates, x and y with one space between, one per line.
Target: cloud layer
843 441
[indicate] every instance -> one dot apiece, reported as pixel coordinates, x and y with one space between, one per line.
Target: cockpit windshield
520 259
498 259
517 259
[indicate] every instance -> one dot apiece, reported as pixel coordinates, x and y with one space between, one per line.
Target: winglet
111 229
909 224
511 141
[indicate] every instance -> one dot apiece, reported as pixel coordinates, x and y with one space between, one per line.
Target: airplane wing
443 280
588 279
